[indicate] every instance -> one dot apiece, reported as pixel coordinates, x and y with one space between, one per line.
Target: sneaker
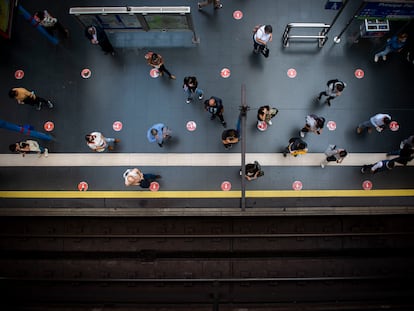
219 6
110 148
172 77
228 146
362 170
199 6
269 122
161 145
376 58
322 165
46 153
213 117
284 153
302 134
49 104
201 97
384 57
358 130
188 101
117 140
224 124
39 107
328 103
256 51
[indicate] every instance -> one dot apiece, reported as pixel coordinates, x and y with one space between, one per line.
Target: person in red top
156 61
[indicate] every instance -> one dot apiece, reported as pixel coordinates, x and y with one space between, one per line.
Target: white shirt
260 34
98 143
378 119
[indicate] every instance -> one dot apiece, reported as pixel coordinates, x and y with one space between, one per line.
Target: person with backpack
253 171
296 147
333 90
333 154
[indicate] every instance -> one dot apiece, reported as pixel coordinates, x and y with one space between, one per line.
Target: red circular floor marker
83 186
291 73
331 125
19 74
86 73
297 185
49 126
154 73
117 126
359 73
367 185
261 126
191 126
394 126
237 14
225 73
154 186
225 185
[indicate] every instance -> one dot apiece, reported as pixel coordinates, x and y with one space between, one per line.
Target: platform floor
121 89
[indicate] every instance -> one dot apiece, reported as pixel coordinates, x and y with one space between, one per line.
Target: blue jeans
383 53
190 95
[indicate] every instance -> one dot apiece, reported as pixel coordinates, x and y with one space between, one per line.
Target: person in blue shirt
158 133
394 44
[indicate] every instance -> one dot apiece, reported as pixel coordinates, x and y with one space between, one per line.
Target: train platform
197 172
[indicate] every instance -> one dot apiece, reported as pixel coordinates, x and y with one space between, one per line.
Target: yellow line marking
202 194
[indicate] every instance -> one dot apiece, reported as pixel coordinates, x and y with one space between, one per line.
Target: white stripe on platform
181 159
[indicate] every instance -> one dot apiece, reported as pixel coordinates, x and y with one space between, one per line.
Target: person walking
378 121
156 61
296 147
214 106
313 124
24 96
191 89
217 4
405 154
50 23
380 166
334 154
134 177
262 35
229 138
158 133
99 143
29 146
333 90
394 44
253 171
97 35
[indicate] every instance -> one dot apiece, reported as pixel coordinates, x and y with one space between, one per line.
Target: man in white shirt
98 143
379 121
261 37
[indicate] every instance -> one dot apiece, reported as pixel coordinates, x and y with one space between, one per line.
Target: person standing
313 124
229 138
265 114
24 96
134 177
190 87
29 146
214 106
380 166
333 154
333 90
156 61
394 44
379 122
158 133
253 171
296 147
217 4
261 37
96 35
98 142
50 23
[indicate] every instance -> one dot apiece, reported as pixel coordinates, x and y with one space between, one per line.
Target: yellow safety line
202 194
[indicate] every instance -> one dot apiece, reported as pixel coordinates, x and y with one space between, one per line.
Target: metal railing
321 36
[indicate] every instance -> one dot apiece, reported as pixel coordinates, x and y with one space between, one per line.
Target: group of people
159 133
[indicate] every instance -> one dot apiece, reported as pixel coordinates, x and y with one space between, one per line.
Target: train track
358 260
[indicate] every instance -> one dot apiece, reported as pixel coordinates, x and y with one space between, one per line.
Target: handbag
265 51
